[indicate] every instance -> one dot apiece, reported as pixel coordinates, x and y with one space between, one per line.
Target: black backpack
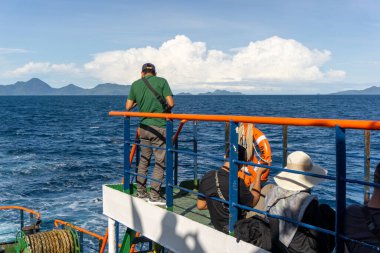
373 228
264 232
255 230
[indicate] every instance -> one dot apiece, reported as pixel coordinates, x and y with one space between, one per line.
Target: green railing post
128 239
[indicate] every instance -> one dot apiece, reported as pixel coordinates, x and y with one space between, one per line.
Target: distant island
212 93
374 90
184 94
37 87
222 92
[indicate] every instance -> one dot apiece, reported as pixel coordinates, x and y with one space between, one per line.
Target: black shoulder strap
159 98
370 222
218 191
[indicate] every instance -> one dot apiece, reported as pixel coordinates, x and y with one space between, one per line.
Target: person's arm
256 189
201 200
168 94
170 101
130 104
201 204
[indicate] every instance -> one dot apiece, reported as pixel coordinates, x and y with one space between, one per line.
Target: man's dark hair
376 176
151 71
241 152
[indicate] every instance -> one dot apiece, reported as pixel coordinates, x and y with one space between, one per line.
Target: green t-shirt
146 100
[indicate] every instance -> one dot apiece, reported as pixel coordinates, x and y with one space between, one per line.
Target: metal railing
34 218
340 153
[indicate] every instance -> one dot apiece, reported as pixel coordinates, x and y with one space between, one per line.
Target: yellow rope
55 241
245 138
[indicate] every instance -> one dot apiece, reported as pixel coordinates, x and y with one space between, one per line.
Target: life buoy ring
258 151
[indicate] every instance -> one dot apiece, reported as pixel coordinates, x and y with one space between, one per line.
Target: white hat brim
298 182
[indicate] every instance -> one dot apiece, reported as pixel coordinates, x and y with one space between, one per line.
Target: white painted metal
171 230
111 236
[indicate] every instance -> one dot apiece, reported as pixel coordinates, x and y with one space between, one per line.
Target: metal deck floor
185 204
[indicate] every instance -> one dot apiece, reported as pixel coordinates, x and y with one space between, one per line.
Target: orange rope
38 215
353 124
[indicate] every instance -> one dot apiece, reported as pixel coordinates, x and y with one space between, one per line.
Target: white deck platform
171 230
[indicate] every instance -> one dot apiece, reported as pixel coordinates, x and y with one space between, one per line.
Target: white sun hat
299 161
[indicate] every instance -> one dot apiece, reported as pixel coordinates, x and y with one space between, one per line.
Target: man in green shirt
152 130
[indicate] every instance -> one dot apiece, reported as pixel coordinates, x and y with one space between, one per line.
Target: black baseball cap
148 66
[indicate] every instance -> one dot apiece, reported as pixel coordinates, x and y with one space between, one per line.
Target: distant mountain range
222 92
184 94
37 87
369 91
213 93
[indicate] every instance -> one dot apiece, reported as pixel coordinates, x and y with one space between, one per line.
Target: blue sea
56 152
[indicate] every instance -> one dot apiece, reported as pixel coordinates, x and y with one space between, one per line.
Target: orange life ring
248 173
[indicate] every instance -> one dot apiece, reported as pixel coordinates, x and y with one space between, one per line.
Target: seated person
291 197
362 223
215 183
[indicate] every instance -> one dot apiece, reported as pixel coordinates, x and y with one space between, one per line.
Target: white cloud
275 62
184 63
12 50
33 68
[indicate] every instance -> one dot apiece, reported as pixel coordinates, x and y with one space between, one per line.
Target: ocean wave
55 159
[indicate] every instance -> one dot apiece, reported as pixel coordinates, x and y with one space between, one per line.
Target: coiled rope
245 137
55 241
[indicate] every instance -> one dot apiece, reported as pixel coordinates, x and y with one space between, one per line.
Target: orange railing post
104 243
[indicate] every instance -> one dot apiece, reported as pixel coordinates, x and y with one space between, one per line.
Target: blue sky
259 47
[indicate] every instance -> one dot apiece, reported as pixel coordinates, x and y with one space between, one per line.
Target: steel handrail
38 215
340 138
330 123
